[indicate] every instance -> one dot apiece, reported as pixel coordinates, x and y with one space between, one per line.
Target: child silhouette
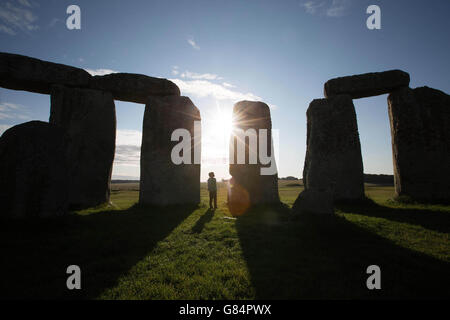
212 188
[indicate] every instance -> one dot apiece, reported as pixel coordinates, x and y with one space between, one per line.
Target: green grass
130 252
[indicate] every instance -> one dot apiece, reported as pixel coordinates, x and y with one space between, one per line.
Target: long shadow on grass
430 219
316 257
202 221
104 245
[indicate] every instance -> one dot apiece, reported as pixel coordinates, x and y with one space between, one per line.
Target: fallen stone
19 72
368 84
89 119
261 188
134 87
33 172
333 158
420 129
162 181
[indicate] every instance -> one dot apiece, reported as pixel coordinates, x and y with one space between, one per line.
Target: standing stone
420 130
238 199
89 119
333 161
33 172
368 84
248 176
164 182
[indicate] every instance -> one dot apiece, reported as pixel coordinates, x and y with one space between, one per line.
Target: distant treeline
288 178
379 178
368 178
124 181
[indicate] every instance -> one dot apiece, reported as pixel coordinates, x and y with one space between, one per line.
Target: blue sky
220 52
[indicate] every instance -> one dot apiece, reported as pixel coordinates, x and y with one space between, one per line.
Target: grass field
131 252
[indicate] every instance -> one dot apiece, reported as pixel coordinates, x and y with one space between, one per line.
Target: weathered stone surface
134 87
261 188
33 172
333 158
368 84
238 199
420 129
162 181
19 72
89 119
314 201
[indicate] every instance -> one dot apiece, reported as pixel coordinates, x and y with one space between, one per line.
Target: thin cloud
338 8
205 88
204 85
7 30
200 76
25 3
128 137
53 22
175 70
13 111
128 148
126 155
17 16
3 128
312 7
193 43
100 72
330 8
9 106
228 85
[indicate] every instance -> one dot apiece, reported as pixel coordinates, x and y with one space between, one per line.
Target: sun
222 122
216 133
